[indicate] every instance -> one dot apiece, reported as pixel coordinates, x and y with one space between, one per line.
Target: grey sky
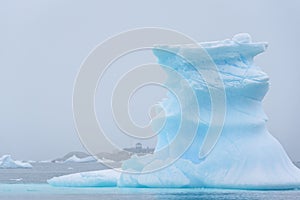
42 44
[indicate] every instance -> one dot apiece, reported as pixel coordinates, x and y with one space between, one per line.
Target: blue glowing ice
246 155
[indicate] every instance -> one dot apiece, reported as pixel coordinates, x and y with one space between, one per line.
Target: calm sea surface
31 184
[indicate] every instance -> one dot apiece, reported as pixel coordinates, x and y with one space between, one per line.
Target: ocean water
31 184
43 171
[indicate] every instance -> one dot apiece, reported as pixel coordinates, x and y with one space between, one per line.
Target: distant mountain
77 156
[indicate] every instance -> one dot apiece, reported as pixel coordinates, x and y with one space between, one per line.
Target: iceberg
88 159
102 178
75 159
45 161
6 162
105 160
243 155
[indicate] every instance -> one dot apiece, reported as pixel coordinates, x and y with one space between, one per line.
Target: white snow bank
6 162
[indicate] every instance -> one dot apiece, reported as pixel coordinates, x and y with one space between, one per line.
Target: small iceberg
104 160
75 159
102 178
6 162
45 161
16 179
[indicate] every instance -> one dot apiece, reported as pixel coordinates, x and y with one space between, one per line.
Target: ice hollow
245 156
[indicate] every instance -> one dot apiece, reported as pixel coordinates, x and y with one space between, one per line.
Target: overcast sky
43 43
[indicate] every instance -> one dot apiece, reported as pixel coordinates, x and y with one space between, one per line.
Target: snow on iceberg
45 161
6 162
245 156
75 159
105 160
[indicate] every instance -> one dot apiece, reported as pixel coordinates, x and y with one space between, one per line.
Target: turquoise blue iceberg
244 155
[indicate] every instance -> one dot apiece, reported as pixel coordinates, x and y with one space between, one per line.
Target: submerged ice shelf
246 155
